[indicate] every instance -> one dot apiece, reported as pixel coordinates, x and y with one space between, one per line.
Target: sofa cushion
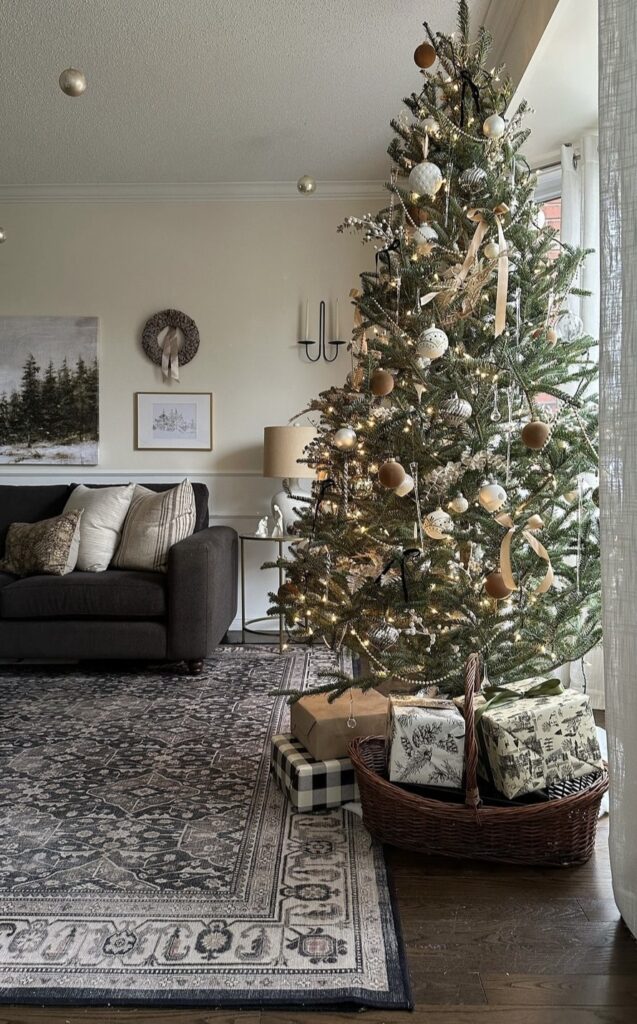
202 496
154 524
5 579
116 594
20 503
50 546
104 510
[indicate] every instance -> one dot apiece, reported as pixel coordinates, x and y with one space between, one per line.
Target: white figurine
278 522
262 528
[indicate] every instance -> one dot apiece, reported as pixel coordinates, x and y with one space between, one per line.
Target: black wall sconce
322 344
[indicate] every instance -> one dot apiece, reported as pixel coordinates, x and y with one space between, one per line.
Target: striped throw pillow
153 524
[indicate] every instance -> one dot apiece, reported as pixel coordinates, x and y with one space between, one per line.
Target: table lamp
282 448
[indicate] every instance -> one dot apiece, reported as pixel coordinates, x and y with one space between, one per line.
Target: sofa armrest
202 589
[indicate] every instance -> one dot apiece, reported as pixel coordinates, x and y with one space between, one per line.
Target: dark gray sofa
180 615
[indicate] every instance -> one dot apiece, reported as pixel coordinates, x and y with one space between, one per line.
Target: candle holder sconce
322 344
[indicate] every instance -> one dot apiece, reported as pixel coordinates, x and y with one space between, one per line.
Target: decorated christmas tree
454 509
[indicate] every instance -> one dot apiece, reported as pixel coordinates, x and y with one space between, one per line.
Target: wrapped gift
311 785
327 728
535 734
425 742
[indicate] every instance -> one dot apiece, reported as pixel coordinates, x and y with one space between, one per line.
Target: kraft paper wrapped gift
535 734
425 742
322 726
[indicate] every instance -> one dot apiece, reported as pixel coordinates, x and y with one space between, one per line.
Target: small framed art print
166 422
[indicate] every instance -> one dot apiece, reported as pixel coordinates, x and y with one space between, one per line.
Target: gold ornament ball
496 587
391 474
535 435
381 383
306 185
552 337
72 82
424 55
288 591
491 251
3 235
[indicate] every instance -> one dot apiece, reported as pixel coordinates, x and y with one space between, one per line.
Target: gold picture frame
174 422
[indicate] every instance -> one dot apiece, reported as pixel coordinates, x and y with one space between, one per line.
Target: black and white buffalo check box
311 785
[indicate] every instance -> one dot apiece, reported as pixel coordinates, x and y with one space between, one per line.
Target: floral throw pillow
49 547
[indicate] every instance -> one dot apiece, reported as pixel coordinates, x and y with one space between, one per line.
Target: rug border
321 1001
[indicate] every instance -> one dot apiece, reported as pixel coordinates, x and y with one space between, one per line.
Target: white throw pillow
105 510
156 520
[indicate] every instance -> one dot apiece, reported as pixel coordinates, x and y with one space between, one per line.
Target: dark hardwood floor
486 945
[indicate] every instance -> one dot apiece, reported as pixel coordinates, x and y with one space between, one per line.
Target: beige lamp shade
283 447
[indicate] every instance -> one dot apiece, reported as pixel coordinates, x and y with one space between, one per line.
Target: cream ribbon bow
478 218
533 523
170 354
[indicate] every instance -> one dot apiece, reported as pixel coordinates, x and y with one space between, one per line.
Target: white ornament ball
494 127
438 524
425 234
492 497
540 219
432 343
306 185
459 504
491 251
406 487
72 82
570 326
425 179
345 439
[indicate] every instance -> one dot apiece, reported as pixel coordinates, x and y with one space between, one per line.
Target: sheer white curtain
618 391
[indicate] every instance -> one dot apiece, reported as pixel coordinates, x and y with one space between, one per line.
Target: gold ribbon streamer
503 281
533 523
478 218
170 354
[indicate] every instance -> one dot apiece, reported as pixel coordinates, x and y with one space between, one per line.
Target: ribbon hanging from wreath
168 354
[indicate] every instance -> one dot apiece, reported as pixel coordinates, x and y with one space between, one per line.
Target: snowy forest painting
49 390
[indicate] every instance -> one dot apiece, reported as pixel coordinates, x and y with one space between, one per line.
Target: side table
247 623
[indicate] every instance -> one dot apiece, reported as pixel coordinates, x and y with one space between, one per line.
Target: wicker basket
558 831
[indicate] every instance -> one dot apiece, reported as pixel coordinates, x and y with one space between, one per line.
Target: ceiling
207 90
561 82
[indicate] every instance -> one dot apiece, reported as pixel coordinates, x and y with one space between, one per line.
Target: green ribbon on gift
499 695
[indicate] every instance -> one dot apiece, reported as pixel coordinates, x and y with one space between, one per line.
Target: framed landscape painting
166 422
49 390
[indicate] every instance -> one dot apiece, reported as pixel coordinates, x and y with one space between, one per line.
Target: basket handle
472 683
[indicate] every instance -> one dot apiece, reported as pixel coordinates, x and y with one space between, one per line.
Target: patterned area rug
147 856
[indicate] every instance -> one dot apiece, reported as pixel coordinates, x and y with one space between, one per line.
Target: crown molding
156 192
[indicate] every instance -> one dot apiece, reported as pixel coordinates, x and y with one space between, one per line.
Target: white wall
242 271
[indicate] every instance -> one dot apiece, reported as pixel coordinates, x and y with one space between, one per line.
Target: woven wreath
170 318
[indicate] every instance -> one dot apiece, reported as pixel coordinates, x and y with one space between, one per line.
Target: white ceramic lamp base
290 498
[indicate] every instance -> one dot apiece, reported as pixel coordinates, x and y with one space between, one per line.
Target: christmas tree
454 510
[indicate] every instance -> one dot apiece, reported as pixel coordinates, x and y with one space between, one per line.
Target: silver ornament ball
473 181
72 82
425 179
570 326
306 185
345 439
456 410
494 127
